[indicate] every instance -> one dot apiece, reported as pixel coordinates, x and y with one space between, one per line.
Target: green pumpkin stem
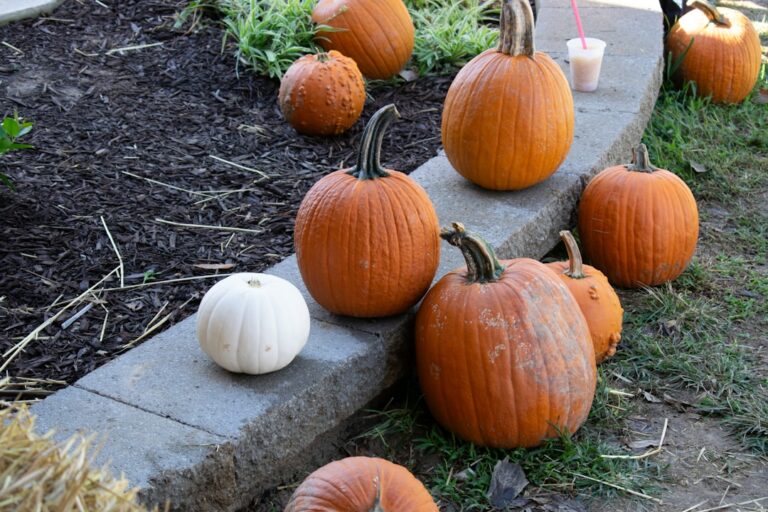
575 263
641 162
516 30
482 265
377 502
369 158
323 57
711 11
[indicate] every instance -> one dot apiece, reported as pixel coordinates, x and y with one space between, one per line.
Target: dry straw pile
40 475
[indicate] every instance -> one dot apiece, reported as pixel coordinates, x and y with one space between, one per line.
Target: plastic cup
585 64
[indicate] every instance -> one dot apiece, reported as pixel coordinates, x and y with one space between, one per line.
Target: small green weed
11 129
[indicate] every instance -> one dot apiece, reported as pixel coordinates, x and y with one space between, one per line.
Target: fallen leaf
215 266
762 96
649 397
409 75
642 444
464 475
507 482
697 167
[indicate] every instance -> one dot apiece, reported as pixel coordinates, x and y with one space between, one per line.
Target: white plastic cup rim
594 45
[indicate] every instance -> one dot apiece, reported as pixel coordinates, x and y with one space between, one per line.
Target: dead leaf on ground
650 398
698 167
507 482
762 96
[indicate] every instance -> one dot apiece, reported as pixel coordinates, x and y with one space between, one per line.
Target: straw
579 26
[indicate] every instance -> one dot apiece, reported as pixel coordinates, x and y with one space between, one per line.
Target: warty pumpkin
718 49
638 224
366 238
377 34
322 94
508 115
361 484
252 323
596 297
503 351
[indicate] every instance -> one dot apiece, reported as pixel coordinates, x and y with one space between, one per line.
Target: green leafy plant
11 129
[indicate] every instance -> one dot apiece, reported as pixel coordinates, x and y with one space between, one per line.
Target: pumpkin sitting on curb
508 115
718 49
596 297
638 224
503 351
322 94
253 323
377 34
361 484
367 239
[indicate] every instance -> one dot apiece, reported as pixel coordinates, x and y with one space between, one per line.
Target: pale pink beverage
585 64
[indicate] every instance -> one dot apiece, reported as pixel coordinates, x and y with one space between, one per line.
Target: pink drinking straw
578 23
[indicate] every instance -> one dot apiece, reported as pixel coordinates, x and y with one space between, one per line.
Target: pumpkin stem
377 502
516 28
575 264
482 265
640 160
323 57
711 11
369 158
254 283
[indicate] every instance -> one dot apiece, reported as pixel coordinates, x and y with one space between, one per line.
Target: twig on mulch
615 486
203 226
647 454
239 166
134 47
9 45
114 246
727 505
173 187
152 328
69 321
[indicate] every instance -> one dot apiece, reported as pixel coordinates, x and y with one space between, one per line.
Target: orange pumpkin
367 239
322 94
503 351
361 484
508 116
638 224
596 297
377 34
720 52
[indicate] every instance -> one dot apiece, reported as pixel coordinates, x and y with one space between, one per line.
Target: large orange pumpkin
322 94
367 239
361 484
377 34
638 224
596 297
508 116
503 351
720 52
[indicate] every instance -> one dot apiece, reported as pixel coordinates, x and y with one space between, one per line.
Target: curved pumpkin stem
575 263
641 162
516 30
711 11
323 57
482 265
377 502
369 157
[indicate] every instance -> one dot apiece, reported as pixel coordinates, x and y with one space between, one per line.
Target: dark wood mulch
160 112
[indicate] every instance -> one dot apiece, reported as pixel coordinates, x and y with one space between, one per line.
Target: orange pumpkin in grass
718 49
596 297
508 115
361 484
503 351
367 239
377 34
322 94
638 224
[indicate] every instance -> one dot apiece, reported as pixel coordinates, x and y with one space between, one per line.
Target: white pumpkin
253 323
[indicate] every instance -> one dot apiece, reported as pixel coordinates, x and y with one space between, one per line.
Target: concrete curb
163 401
14 10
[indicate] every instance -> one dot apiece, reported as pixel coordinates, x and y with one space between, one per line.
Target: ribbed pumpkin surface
354 484
724 59
503 363
377 34
640 228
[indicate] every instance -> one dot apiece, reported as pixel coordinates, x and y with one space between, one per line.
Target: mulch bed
107 122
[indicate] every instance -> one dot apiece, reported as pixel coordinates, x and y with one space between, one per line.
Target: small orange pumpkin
361 484
508 115
322 94
720 51
638 224
367 239
377 34
596 297
503 351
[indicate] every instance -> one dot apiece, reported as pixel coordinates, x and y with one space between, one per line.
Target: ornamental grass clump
38 474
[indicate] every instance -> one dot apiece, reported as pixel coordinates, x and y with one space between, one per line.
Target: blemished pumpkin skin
596 297
322 94
638 224
377 34
367 239
508 115
503 352
720 52
361 484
